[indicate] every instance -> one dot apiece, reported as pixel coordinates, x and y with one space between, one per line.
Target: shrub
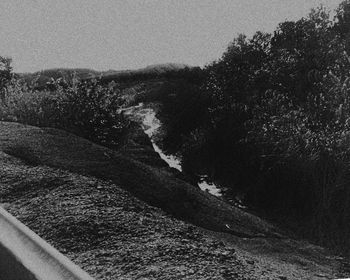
87 109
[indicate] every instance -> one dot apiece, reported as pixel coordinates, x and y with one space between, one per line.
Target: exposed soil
81 198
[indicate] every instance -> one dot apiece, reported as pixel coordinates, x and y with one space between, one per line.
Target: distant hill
166 67
151 71
154 68
44 76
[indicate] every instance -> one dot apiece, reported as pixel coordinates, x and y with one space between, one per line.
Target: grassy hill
107 231
115 215
156 186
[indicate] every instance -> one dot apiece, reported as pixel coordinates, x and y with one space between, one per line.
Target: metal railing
25 256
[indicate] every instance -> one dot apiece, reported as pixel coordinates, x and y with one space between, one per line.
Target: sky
130 34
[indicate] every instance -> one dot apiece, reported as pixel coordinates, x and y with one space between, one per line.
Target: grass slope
156 186
81 198
106 231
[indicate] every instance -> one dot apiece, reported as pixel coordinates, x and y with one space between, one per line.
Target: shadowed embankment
89 202
156 186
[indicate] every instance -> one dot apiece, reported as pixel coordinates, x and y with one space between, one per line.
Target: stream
151 126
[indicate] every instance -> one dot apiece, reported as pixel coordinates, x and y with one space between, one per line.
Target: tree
5 75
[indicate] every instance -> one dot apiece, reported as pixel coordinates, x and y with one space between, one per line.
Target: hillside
45 76
105 230
81 198
157 186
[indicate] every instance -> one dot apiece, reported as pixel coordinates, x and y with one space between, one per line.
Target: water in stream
151 125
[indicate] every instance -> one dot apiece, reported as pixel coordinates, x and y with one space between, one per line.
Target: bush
84 108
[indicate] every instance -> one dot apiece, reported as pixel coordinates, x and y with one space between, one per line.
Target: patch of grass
24 153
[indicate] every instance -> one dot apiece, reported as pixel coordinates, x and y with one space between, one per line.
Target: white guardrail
25 256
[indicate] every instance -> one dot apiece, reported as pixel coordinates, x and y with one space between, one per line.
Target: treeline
43 79
271 120
188 73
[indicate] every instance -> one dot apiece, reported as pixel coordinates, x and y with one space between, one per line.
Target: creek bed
151 126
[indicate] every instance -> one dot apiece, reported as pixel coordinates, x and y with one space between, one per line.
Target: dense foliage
274 123
86 108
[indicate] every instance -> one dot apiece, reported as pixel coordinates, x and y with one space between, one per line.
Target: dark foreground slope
73 194
108 232
153 185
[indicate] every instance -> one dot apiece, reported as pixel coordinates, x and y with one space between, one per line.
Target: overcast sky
128 34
